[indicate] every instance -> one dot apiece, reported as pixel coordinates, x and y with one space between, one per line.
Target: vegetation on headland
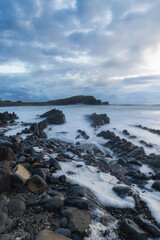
80 99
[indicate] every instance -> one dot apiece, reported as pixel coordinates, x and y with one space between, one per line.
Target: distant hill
89 100
81 99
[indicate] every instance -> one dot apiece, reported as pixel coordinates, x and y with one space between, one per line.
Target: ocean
121 117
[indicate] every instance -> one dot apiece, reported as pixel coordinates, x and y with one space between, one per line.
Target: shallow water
121 117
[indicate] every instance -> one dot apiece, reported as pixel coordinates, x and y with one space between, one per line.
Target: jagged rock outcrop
6 119
54 116
98 120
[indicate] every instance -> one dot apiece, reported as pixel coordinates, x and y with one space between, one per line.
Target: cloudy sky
58 48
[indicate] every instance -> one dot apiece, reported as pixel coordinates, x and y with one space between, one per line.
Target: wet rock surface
54 116
78 220
132 231
98 120
156 131
35 204
7 119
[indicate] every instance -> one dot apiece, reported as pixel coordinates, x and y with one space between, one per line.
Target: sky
51 49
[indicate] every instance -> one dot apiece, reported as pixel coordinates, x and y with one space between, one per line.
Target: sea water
121 117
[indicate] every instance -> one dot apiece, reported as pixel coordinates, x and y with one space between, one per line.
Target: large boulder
98 120
19 176
6 156
17 206
50 235
78 220
5 180
42 125
156 185
54 116
83 192
53 204
148 226
19 147
132 231
37 184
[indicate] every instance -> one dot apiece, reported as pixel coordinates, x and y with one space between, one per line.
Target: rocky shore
52 189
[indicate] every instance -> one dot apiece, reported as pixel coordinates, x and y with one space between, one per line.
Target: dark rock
121 162
54 116
78 220
38 209
6 157
123 191
125 132
40 134
63 231
134 162
3 219
42 172
37 184
30 151
5 180
55 164
27 228
20 147
16 207
53 204
156 185
62 178
148 226
146 144
74 151
34 127
107 134
5 116
155 162
132 231
157 175
98 120
42 125
31 200
5 222
77 202
3 204
64 222
5 237
6 143
6 119
53 193
82 134
52 180
78 191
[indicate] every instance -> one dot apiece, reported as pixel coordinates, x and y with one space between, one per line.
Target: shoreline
54 182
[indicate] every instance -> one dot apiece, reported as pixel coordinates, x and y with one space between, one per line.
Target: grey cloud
82 49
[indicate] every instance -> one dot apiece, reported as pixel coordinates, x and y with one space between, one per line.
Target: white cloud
95 46
63 4
14 67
